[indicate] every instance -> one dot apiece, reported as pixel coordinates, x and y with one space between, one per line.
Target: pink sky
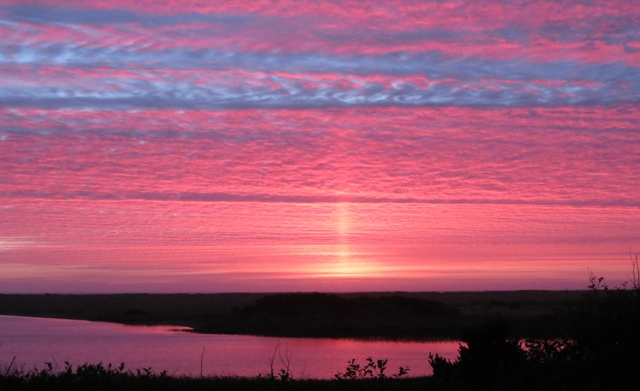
317 146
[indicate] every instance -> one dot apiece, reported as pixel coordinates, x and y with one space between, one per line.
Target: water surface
34 341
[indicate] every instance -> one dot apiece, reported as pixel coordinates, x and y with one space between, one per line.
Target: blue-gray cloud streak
295 78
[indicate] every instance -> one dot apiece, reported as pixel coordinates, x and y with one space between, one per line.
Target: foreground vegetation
601 350
100 378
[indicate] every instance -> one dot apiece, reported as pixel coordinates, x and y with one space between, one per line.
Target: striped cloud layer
260 145
300 55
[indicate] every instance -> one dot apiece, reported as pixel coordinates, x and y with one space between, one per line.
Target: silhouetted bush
601 349
373 369
606 327
488 357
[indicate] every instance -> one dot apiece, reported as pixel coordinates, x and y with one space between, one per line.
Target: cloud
305 56
285 88
432 65
301 199
579 156
234 137
43 14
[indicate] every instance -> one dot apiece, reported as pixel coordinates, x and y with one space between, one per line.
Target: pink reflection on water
34 341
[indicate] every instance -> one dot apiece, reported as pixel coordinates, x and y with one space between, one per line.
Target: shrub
373 369
600 352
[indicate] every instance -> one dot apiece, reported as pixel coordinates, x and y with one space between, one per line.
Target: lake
34 341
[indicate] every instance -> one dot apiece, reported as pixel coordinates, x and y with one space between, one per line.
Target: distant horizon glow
309 146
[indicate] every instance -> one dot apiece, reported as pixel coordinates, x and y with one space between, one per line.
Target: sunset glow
186 146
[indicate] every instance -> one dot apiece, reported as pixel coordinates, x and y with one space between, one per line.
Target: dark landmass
396 315
151 309
596 344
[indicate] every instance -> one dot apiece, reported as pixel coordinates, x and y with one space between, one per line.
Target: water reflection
36 340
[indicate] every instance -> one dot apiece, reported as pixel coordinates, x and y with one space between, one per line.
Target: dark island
388 315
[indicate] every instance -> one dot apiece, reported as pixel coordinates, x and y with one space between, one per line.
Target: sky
268 146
